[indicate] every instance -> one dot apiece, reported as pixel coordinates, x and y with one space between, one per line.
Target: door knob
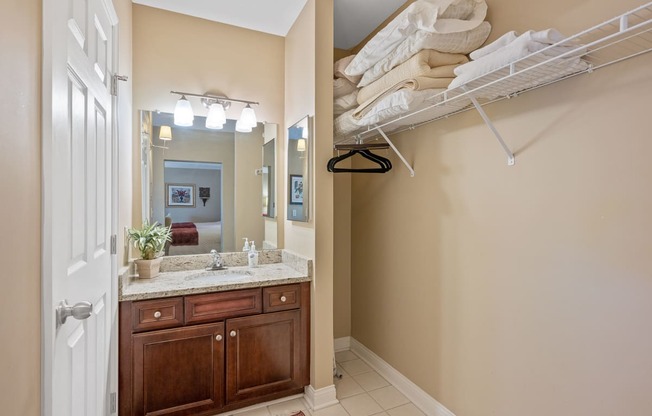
80 310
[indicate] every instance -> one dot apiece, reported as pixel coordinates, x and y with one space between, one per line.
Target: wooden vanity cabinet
255 349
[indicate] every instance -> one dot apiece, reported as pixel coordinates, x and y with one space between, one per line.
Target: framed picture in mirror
296 189
180 195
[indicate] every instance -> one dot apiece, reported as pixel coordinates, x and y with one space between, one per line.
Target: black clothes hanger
384 164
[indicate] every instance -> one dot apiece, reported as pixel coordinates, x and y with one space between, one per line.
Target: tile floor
361 392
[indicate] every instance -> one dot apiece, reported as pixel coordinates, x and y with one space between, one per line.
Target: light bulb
216 116
301 145
248 116
183 115
241 127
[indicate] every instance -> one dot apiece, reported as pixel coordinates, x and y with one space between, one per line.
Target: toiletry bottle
253 255
246 244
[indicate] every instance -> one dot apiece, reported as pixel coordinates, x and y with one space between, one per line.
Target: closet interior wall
524 289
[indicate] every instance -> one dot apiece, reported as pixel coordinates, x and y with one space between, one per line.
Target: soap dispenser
252 256
246 244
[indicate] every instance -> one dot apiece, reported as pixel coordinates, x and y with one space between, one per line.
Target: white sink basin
219 276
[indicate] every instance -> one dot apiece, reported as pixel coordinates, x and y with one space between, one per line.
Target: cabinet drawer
216 306
157 314
281 298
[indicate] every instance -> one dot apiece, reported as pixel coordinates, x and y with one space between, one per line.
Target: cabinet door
263 355
178 371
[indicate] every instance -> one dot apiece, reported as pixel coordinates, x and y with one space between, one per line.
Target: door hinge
114 83
114 244
112 403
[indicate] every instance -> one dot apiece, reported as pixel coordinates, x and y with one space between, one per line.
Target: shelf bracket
485 117
389 142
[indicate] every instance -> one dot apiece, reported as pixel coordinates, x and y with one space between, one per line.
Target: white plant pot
147 269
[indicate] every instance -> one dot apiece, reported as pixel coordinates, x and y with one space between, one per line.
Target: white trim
319 399
420 398
342 344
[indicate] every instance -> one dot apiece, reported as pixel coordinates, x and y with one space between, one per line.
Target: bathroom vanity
197 342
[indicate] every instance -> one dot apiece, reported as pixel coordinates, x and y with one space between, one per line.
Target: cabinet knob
218 337
233 334
283 298
157 314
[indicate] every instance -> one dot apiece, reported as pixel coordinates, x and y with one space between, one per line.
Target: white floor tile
361 405
388 397
371 381
336 410
346 387
406 410
261 411
355 367
289 407
347 355
381 414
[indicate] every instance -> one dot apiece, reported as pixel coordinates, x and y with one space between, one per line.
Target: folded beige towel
426 63
414 84
340 66
343 104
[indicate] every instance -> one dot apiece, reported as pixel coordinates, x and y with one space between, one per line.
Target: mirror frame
299 180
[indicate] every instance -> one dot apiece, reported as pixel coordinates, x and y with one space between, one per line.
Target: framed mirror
203 182
269 178
298 185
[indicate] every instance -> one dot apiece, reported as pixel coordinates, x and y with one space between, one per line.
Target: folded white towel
523 46
424 16
342 87
504 40
345 103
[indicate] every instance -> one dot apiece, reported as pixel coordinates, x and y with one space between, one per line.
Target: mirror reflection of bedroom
202 183
196 222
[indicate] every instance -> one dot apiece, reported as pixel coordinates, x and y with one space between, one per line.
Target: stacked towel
426 63
508 49
345 91
451 26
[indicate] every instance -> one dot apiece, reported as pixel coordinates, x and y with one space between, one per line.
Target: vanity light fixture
165 133
301 145
216 111
241 127
183 115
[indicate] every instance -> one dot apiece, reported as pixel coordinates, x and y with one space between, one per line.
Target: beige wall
519 290
249 221
183 53
20 150
20 166
308 90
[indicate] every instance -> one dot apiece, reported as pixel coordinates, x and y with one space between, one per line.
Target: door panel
178 371
263 354
78 199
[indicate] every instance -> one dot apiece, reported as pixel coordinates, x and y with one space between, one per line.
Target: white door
79 41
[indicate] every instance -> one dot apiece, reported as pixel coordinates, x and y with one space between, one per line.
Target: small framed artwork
179 195
296 189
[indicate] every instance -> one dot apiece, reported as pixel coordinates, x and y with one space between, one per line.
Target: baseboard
342 344
420 398
319 399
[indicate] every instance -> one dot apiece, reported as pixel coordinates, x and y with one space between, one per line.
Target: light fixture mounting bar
215 97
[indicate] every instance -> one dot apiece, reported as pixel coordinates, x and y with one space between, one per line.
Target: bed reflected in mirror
202 183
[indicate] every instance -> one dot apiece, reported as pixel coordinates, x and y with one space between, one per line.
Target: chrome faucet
216 264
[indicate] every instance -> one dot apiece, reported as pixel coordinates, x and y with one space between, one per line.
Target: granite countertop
185 275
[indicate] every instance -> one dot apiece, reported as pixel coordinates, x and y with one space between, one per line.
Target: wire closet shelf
620 38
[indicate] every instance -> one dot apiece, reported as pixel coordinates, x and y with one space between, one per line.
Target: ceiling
354 19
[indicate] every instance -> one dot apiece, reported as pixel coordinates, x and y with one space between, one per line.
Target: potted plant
149 240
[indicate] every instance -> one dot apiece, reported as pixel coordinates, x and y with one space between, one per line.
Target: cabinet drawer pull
233 334
157 314
283 298
218 337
